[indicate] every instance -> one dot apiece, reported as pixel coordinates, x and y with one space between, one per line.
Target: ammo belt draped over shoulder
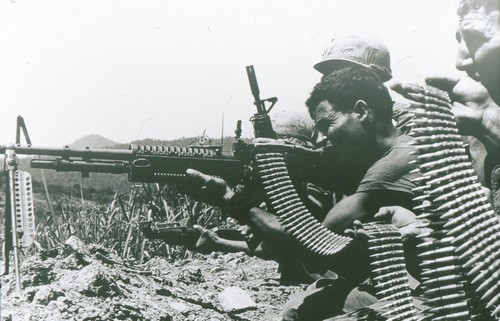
461 262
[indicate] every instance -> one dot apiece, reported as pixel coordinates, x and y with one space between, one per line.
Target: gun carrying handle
254 86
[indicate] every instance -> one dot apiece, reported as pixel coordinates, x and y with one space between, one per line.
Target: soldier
479 55
478 115
478 35
368 154
365 50
293 128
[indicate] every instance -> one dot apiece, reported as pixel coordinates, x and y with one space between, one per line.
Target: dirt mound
89 283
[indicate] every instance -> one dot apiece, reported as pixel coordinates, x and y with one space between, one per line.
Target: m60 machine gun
142 163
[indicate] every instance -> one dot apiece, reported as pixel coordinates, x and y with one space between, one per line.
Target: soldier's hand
207 242
268 141
318 198
470 101
208 189
405 220
358 233
464 90
419 95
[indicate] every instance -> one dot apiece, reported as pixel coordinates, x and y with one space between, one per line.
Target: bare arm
362 206
349 209
476 113
491 129
209 242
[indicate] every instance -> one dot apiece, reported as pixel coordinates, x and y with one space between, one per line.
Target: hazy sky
165 69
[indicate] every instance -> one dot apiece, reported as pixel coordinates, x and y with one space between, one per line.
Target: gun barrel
61 165
66 152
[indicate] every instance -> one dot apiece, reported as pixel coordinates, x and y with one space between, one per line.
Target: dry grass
115 224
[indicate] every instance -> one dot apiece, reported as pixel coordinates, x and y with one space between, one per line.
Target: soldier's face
339 130
347 145
478 35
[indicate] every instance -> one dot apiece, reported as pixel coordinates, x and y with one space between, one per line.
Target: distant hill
92 141
182 142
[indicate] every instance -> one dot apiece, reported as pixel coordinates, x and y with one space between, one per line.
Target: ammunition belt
389 273
173 150
287 205
461 263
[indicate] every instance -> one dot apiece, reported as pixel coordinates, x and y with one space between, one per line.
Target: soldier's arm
361 206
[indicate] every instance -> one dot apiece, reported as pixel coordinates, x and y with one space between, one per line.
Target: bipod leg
15 239
7 243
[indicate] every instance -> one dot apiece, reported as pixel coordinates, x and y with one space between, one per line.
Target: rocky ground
88 283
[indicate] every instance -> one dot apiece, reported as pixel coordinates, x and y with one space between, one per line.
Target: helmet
363 50
293 124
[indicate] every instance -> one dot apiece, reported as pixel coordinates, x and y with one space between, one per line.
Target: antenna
222 132
21 125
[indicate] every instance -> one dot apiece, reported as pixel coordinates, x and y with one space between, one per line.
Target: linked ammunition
449 308
437 130
444 269
442 279
476 229
453 288
491 281
384 240
483 275
391 275
439 261
438 243
445 299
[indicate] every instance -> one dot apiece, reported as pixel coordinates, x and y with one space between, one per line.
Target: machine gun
159 164
164 164
144 163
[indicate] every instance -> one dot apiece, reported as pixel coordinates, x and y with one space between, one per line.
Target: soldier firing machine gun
153 164
475 258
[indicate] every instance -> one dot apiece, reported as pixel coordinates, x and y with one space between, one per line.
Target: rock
37 272
93 280
75 246
99 291
158 266
126 310
46 294
190 275
179 306
91 313
235 299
